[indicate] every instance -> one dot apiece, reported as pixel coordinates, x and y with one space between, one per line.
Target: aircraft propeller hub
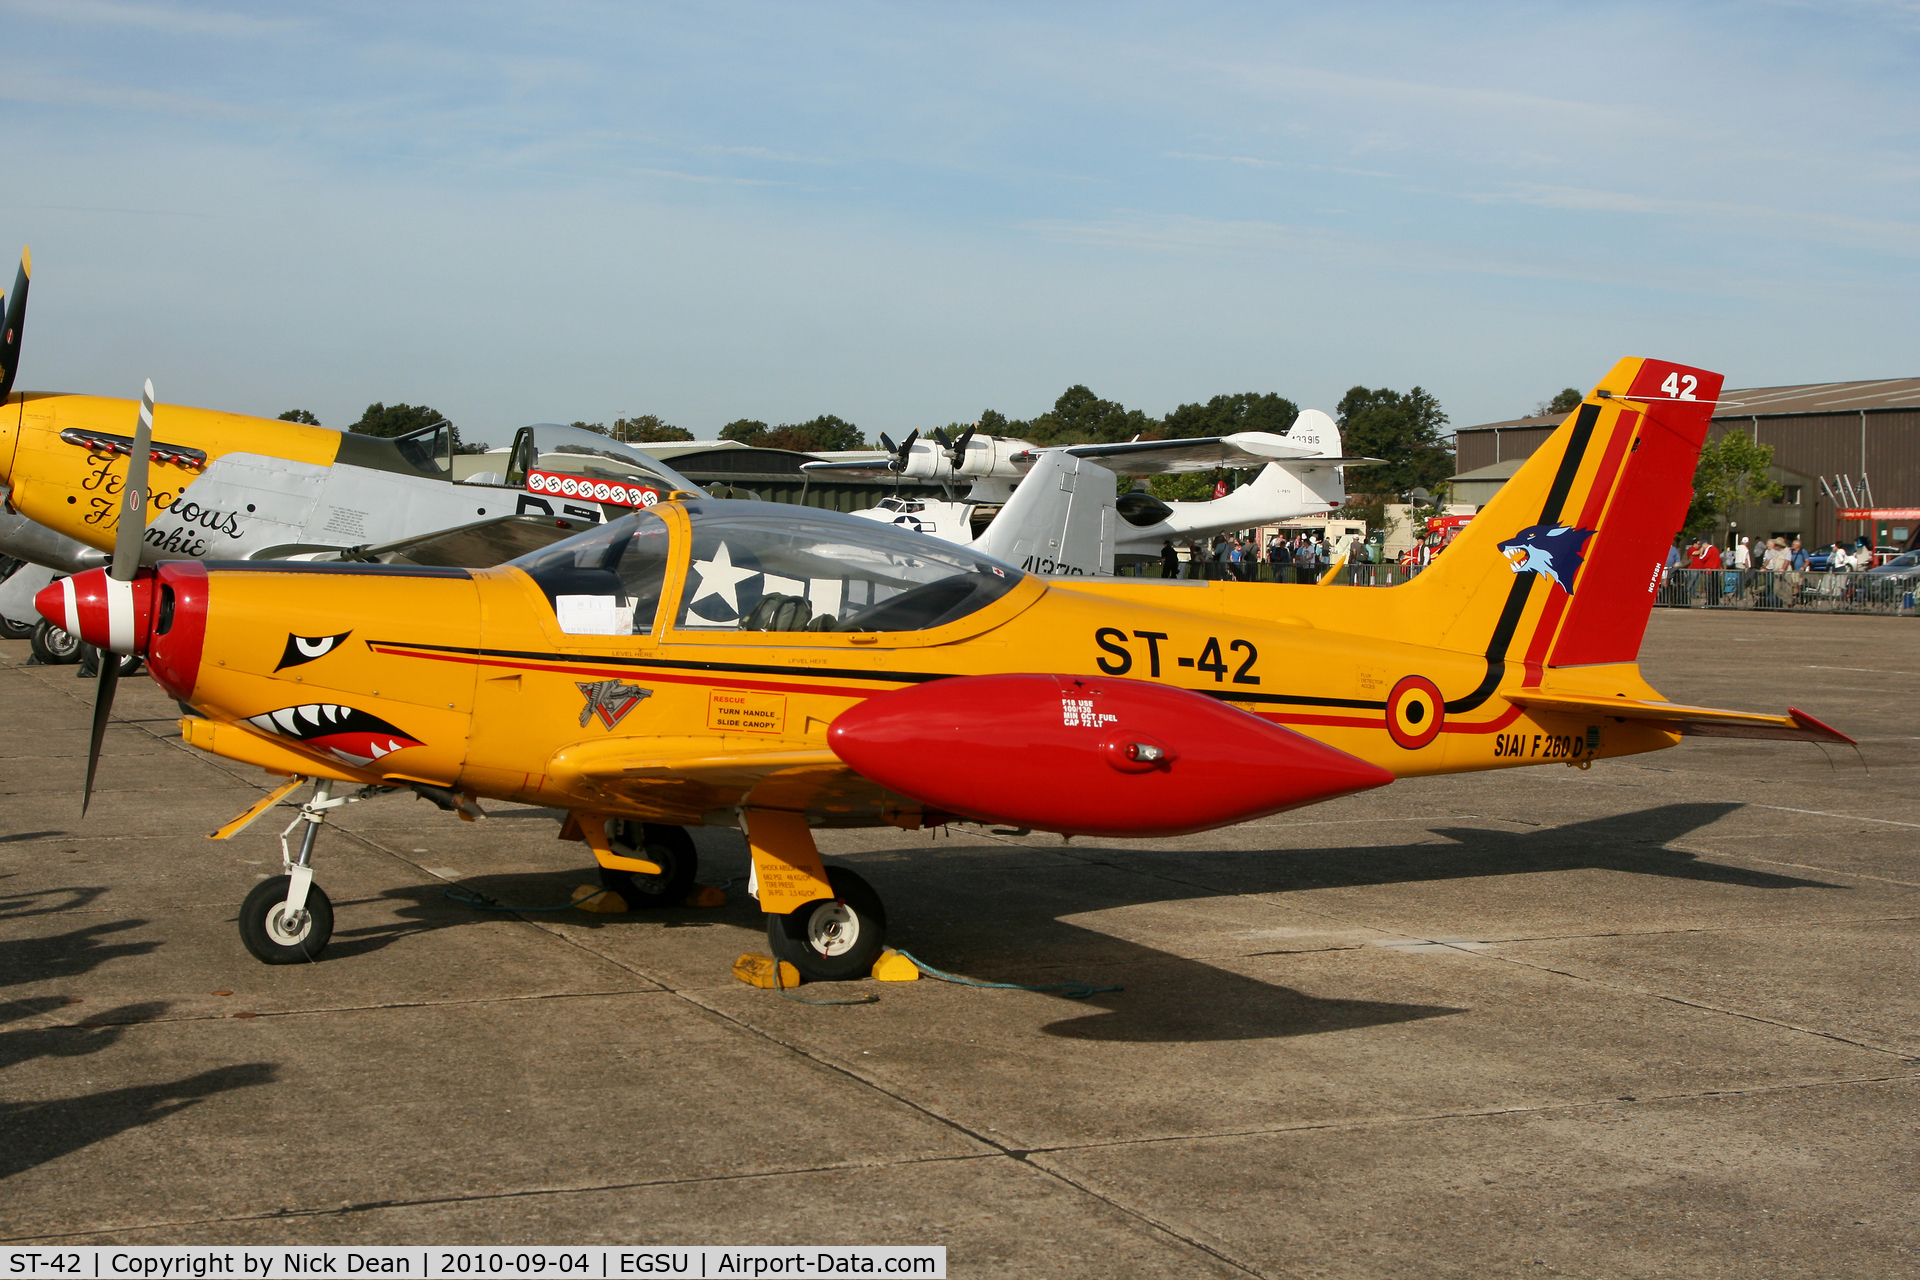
103 611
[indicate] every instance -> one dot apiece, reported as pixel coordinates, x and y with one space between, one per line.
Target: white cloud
173 20
62 92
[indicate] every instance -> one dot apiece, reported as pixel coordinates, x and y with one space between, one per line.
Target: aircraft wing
1200 453
479 545
686 779
1699 722
877 467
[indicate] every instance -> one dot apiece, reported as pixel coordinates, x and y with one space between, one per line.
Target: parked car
1906 566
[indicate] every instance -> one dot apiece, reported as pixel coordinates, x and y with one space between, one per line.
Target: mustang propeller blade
16 320
126 563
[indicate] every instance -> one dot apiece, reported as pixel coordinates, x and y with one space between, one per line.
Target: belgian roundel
1415 712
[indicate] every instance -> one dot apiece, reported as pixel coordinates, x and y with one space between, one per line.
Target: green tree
748 431
395 419
1224 415
647 428
644 429
1186 486
301 416
1563 403
819 435
391 420
1404 430
1081 417
1732 473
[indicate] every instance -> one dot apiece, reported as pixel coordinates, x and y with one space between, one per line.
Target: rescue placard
739 711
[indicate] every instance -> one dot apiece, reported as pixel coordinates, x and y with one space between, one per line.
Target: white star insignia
721 577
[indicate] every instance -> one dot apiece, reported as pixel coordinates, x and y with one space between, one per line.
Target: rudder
1562 567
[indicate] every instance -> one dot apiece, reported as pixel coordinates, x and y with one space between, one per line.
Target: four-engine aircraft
781 669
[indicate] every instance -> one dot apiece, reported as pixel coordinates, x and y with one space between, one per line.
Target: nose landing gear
288 919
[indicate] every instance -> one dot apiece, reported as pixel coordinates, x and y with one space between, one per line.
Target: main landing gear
826 922
288 919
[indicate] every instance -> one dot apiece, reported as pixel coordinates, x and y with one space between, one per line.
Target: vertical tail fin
1321 481
1059 521
1313 429
1561 568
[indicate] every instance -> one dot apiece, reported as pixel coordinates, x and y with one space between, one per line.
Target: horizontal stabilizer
1699 722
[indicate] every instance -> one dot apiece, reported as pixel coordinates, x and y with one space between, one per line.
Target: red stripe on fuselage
723 681
1590 512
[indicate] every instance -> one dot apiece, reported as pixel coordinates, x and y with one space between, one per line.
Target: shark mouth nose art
353 735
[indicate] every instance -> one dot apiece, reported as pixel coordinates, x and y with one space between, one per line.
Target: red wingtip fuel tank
1089 756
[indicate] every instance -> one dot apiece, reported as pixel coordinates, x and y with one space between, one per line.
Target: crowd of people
1231 558
1779 574
1776 555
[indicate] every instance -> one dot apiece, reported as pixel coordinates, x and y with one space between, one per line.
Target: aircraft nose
105 612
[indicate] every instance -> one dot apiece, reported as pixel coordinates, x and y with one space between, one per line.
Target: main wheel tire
90 661
832 939
54 647
670 847
265 932
13 630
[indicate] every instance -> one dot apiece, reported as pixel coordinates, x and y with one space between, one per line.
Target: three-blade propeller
126 562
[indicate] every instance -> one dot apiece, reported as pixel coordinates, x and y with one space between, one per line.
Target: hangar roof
1804 397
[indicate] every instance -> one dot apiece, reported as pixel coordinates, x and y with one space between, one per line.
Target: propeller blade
16 320
133 497
899 462
940 436
957 452
102 712
887 444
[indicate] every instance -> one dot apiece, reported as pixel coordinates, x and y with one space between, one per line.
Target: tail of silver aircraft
1059 521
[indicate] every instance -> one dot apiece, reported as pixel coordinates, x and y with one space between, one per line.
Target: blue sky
906 213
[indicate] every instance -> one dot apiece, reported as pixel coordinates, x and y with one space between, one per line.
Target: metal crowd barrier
1805 589
1354 575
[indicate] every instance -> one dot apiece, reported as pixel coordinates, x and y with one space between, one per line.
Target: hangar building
1861 438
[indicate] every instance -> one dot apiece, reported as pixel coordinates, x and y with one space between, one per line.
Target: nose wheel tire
54 647
671 848
275 937
832 939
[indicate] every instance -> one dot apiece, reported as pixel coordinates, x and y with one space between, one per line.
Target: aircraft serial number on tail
1117 656
1542 746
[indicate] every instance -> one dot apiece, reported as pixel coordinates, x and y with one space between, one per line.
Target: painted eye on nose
306 648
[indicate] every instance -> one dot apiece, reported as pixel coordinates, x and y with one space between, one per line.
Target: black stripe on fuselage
675 664
1517 594
831 673
345 569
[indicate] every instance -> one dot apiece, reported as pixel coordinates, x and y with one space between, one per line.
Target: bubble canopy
764 567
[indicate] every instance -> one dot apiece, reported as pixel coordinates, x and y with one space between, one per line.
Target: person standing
1169 560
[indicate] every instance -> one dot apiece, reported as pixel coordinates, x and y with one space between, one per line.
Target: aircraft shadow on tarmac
994 911
60 955
32 1133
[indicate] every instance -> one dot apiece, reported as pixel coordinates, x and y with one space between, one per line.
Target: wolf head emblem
1551 550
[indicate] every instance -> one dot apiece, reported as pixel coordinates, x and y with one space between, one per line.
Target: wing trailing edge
1699 722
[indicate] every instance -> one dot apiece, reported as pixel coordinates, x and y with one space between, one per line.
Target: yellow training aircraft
781 669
